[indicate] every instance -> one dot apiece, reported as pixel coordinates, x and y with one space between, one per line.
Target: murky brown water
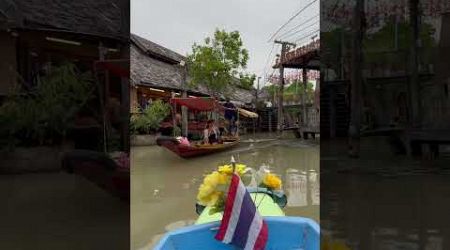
383 201
164 186
60 211
370 213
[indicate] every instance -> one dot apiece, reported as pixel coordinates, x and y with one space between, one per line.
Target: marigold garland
212 192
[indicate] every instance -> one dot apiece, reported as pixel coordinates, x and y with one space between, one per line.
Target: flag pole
233 164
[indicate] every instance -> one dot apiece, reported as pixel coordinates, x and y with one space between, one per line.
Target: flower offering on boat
212 192
228 169
271 181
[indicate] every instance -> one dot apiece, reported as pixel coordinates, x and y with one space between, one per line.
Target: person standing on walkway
230 116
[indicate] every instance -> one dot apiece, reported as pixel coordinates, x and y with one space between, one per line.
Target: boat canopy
199 103
247 113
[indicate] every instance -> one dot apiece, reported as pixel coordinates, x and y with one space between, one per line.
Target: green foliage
331 47
293 92
384 40
220 59
379 47
151 118
49 110
272 89
246 81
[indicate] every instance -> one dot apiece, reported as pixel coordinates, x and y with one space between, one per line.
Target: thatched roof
156 66
240 95
105 18
156 51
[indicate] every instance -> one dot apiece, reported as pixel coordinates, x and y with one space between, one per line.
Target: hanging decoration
294 76
376 12
301 51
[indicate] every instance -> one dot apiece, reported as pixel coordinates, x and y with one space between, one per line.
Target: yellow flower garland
210 195
228 169
272 181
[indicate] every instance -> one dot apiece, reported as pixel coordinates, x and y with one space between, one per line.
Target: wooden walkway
415 142
304 132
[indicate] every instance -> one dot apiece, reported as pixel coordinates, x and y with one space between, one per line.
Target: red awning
198 104
118 68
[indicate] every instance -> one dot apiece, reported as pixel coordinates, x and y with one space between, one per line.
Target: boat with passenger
211 139
259 223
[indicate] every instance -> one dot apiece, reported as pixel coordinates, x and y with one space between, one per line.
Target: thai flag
241 224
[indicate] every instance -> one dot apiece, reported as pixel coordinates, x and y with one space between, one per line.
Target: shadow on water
383 201
60 211
164 186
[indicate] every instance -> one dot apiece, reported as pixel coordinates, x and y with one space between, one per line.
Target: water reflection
300 185
296 188
370 212
164 186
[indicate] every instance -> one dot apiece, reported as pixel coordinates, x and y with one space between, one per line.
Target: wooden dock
416 142
304 132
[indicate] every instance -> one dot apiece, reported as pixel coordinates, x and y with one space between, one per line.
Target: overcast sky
177 24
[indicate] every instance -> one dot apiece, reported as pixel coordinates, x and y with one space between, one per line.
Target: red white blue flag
241 224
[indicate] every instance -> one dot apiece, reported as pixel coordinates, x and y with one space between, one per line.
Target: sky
177 24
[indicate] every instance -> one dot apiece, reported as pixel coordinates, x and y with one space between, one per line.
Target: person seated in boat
230 115
211 133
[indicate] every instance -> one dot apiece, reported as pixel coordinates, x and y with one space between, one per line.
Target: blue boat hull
285 233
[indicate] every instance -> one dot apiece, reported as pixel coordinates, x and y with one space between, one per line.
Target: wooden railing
301 51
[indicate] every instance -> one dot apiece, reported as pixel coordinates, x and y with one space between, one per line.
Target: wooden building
307 118
37 34
160 73
156 73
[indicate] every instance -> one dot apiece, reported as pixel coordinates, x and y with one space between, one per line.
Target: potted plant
36 122
145 124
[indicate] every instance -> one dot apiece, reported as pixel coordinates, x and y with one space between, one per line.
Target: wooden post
107 108
174 113
280 94
342 55
184 110
101 88
332 110
270 120
125 110
256 106
305 83
356 80
257 93
413 87
184 115
125 89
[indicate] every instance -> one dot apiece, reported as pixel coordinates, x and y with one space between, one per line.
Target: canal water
164 186
384 201
57 210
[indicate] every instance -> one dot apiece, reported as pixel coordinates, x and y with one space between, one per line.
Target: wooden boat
230 138
269 204
198 104
187 151
100 169
285 232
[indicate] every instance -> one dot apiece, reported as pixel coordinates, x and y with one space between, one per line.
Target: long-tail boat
193 149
